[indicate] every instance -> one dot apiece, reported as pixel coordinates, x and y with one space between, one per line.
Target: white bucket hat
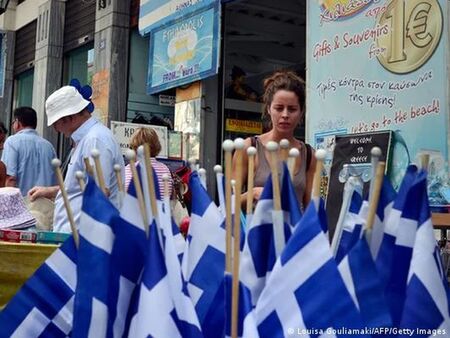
65 101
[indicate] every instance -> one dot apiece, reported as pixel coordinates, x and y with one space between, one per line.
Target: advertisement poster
378 65
184 51
100 95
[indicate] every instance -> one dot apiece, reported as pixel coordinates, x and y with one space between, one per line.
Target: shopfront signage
244 126
167 100
155 13
184 51
380 65
352 157
123 131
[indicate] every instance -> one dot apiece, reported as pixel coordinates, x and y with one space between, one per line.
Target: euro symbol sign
416 28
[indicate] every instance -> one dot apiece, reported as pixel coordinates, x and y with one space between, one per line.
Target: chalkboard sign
352 155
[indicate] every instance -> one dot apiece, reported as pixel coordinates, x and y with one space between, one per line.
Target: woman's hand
257 193
47 192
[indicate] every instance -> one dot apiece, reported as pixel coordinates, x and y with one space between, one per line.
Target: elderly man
26 155
67 111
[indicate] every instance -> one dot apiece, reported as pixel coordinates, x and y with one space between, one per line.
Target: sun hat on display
42 209
64 102
13 211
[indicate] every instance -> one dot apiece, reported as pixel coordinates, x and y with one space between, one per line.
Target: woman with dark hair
284 107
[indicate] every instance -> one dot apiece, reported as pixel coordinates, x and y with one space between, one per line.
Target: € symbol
415 29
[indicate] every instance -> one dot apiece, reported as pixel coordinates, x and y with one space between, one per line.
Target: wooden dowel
88 167
98 168
272 147
228 147
151 184
375 153
293 154
251 153
284 148
239 146
118 172
56 163
424 161
373 202
131 156
80 178
320 157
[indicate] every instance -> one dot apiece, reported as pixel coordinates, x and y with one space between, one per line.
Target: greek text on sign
244 126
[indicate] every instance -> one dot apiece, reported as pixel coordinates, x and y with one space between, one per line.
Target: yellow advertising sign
243 126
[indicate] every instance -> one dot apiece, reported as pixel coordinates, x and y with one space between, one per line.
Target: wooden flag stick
80 178
98 168
375 153
320 157
56 163
88 167
424 161
284 147
251 152
131 156
239 146
118 172
293 154
151 184
374 198
272 147
228 147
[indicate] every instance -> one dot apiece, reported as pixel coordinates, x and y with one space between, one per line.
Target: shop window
24 89
79 64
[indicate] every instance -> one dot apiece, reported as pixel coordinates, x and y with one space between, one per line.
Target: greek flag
130 245
37 310
426 306
204 260
394 256
265 239
246 320
289 202
94 263
352 226
158 315
363 283
305 290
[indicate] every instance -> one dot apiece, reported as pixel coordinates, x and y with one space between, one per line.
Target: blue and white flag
91 313
37 310
427 303
305 291
157 315
289 202
130 245
263 242
204 260
246 319
363 283
352 226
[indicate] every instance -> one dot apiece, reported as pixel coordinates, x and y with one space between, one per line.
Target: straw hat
42 209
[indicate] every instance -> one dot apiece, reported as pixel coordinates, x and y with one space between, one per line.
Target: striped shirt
159 168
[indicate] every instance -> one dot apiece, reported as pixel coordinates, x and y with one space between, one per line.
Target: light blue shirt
27 157
92 134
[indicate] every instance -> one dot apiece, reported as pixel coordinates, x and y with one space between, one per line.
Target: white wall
18 16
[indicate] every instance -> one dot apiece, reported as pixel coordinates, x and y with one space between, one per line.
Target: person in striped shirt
148 135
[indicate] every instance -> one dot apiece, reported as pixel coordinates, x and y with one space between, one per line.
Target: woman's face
285 112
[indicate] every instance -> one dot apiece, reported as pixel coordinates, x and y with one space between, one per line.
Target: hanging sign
155 13
380 65
184 51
